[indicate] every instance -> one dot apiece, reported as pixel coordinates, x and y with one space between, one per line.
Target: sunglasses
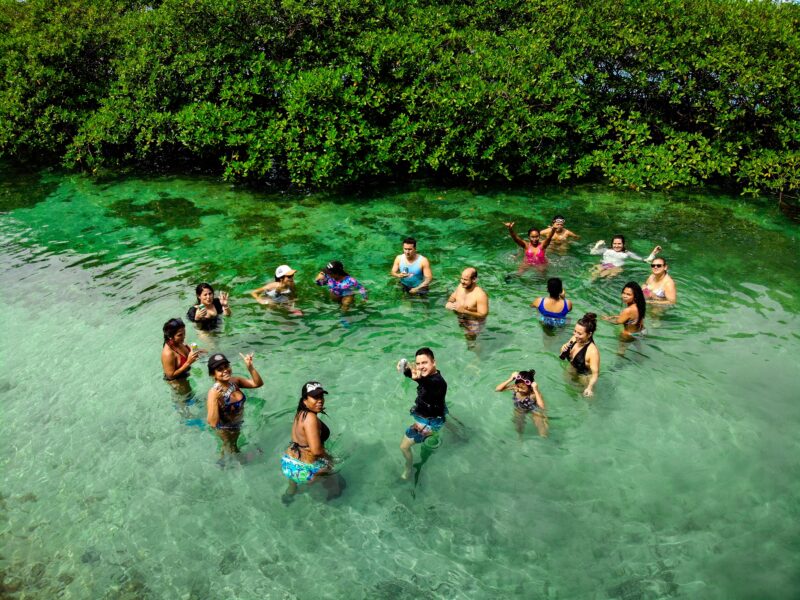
655 266
522 380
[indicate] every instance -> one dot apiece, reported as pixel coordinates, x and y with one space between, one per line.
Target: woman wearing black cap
341 284
226 399
306 459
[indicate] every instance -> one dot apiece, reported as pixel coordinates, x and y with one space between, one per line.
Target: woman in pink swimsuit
534 248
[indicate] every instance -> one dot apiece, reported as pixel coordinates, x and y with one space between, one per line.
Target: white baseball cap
283 271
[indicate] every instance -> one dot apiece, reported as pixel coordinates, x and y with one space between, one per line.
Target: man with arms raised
470 302
413 270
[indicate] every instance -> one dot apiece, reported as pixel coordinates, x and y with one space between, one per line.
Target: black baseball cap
216 361
313 389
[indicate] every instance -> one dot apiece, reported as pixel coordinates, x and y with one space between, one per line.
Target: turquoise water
678 479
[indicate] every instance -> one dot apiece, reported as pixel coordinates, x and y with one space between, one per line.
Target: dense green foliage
642 93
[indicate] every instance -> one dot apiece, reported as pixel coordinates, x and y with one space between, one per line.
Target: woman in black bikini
582 353
226 400
306 459
205 314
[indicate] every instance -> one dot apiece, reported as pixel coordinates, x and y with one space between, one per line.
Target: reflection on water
661 485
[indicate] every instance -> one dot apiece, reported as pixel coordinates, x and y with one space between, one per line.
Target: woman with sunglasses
226 399
280 292
527 401
660 287
632 316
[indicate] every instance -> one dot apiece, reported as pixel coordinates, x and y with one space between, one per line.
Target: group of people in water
306 459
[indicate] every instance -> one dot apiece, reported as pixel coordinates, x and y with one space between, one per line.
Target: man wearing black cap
430 409
342 285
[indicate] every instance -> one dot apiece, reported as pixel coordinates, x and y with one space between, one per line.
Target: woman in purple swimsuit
341 284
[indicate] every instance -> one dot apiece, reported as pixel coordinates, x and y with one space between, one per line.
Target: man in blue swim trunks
430 409
413 270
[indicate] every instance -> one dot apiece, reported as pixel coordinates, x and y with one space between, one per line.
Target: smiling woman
226 399
130 482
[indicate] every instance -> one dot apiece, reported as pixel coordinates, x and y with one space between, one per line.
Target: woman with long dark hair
205 314
632 315
177 357
306 459
582 353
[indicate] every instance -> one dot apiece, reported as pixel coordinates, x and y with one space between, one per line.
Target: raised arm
549 239
255 380
518 240
599 247
502 387
223 302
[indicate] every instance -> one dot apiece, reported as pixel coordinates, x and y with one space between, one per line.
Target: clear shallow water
679 479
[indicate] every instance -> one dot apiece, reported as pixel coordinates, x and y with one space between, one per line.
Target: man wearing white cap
280 292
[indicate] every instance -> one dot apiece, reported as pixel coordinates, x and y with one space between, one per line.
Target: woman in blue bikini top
554 308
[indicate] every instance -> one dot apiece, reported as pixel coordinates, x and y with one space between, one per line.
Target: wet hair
536 229
619 237
203 286
529 375
589 323
410 240
557 217
171 329
425 352
475 274
638 298
554 287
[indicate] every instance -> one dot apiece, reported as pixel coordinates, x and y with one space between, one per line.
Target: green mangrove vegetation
640 93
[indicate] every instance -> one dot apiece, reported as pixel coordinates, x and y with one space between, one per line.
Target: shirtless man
562 234
413 269
470 302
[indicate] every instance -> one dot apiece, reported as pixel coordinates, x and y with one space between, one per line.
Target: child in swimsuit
527 401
